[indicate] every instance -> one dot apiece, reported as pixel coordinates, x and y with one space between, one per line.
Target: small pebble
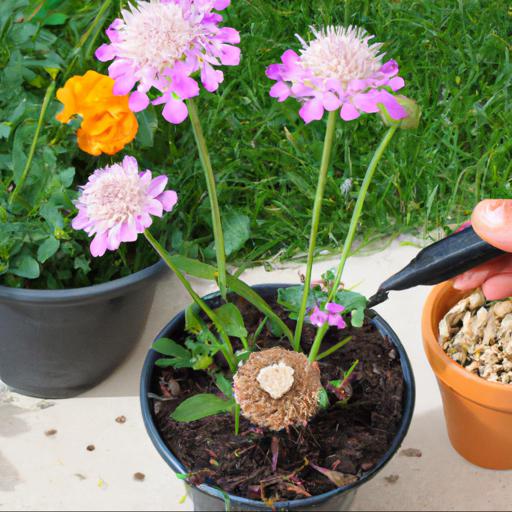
121 419
411 452
139 477
50 433
365 466
91 448
391 479
80 476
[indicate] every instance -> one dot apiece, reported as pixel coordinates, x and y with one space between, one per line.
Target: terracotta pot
478 412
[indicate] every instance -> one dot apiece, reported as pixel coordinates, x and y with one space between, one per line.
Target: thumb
492 220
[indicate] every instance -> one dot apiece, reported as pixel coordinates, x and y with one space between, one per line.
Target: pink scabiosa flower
160 43
339 69
117 203
331 315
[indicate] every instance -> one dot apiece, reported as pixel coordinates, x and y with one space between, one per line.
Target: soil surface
348 439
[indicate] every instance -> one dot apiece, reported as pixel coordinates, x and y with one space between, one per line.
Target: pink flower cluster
160 43
338 69
117 203
331 315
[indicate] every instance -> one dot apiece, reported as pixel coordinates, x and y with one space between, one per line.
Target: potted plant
251 414
466 339
66 320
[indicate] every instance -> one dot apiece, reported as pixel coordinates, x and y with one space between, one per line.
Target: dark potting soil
348 439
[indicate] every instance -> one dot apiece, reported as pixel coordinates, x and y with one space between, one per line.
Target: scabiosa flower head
160 43
331 315
339 69
117 203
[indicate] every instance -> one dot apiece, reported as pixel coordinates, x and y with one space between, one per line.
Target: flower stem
320 333
227 349
358 209
28 163
212 193
356 215
317 208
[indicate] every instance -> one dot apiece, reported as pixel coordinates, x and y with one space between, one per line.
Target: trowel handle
443 260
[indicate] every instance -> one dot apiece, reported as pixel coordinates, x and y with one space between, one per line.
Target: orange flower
108 124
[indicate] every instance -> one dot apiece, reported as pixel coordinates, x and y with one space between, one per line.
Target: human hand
492 221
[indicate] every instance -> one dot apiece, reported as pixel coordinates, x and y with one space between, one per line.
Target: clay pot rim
493 395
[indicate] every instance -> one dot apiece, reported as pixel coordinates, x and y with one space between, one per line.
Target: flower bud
411 122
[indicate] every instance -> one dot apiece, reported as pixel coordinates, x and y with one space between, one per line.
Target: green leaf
323 399
5 130
57 18
193 322
205 271
25 266
237 230
148 124
173 362
201 406
355 303
47 249
169 347
231 320
224 385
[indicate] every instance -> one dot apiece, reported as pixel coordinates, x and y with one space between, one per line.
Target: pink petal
80 221
349 112
220 5
290 58
273 71
228 35
105 52
155 207
312 110
332 307
138 101
112 30
280 90
331 102
168 199
114 238
124 84
99 245
184 86
157 186
389 68
394 109
175 111
396 83
130 161
367 102
230 55
211 78
119 68
128 231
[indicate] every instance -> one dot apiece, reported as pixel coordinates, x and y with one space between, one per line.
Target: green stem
333 349
227 347
356 214
212 193
28 163
317 208
320 333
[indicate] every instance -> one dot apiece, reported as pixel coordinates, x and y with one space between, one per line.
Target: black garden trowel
439 262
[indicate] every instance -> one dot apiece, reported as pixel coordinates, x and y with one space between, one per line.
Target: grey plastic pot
60 343
208 498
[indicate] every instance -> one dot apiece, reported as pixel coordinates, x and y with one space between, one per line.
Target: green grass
455 58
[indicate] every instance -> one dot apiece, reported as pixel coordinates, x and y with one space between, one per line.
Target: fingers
492 220
477 276
498 287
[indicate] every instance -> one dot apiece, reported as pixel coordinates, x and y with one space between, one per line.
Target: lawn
454 57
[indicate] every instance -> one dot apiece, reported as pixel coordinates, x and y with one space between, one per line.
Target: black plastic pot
207 498
60 343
